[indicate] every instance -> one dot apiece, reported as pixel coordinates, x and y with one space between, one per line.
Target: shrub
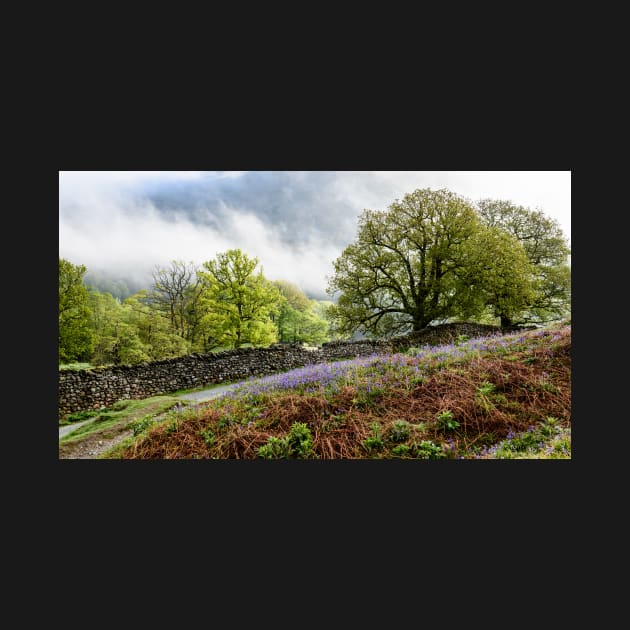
297 443
208 436
446 422
275 448
486 388
402 450
428 450
399 431
300 440
141 425
375 441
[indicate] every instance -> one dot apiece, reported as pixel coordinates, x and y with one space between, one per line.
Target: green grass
75 366
78 416
121 414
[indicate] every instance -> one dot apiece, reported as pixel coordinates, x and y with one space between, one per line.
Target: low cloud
123 223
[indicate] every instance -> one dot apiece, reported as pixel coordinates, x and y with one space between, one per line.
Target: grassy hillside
502 396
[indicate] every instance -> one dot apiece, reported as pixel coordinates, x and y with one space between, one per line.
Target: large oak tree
416 263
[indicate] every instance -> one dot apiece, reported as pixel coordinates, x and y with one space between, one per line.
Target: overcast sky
295 222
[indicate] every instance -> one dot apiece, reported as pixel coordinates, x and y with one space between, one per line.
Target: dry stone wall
101 387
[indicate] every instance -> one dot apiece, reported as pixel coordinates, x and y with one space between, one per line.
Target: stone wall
101 387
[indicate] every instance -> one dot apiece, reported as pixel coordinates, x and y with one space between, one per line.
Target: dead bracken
504 396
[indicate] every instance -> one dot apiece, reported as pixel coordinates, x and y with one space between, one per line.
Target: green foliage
368 397
75 365
484 396
426 449
79 416
546 440
227 305
402 450
548 387
446 422
119 416
275 448
547 251
400 273
172 426
237 302
175 296
159 339
399 431
298 443
486 388
76 339
300 440
293 295
434 256
375 440
141 425
295 326
550 426
209 437
226 421
495 276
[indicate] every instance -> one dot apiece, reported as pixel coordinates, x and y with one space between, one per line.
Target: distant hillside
118 286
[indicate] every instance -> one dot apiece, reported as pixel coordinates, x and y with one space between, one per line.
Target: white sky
105 225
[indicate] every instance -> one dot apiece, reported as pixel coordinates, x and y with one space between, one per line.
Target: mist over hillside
120 224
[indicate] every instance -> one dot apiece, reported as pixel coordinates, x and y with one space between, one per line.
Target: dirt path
93 446
69 428
208 394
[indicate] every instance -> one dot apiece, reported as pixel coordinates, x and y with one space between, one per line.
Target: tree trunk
419 324
506 322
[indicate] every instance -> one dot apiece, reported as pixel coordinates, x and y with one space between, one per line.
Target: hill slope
501 396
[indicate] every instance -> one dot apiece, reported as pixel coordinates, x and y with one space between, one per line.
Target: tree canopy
237 302
299 320
76 339
433 256
547 250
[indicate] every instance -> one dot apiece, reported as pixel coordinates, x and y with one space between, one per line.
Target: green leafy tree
299 319
116 335
428 258
547 250
237 302
76 340
400 273
106 316
293 295
495 277
153 329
